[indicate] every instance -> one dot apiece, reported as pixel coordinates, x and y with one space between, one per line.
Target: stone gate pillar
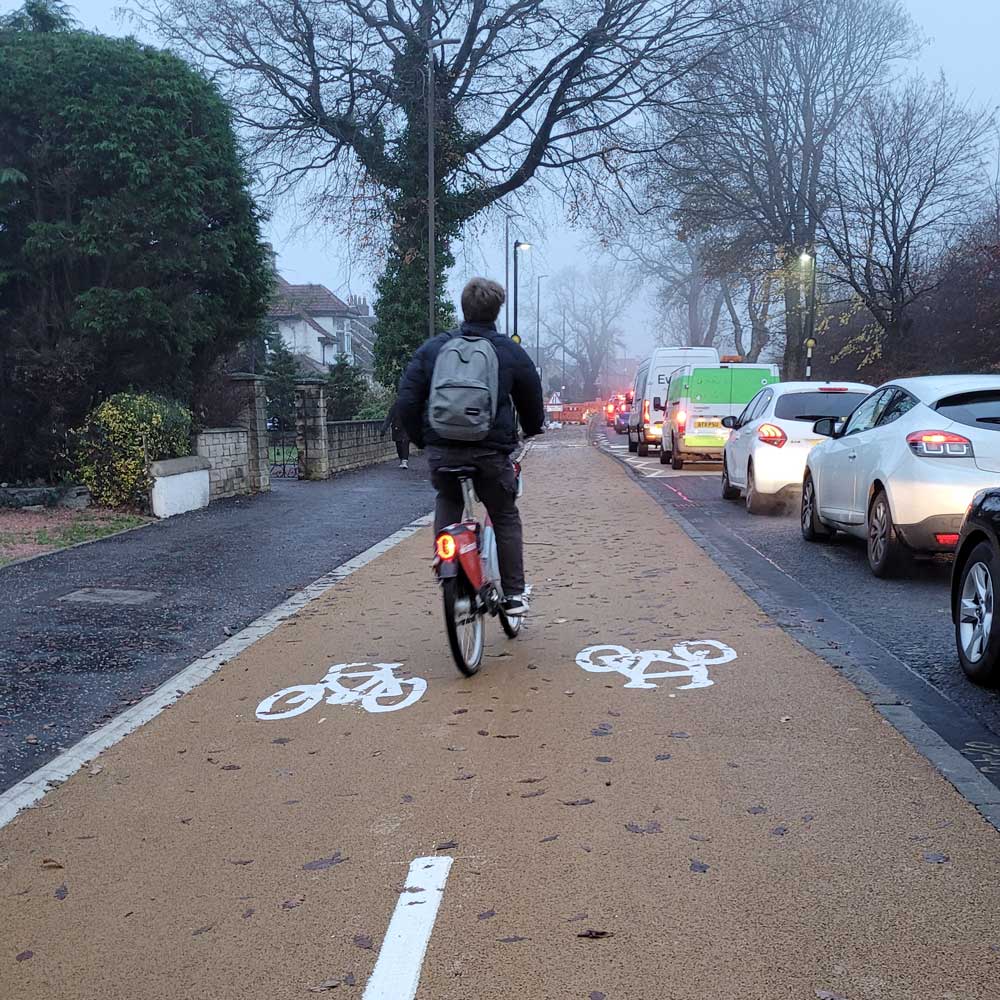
253 417
310 428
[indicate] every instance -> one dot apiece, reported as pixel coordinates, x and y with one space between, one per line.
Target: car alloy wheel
813 529
976 611
884 548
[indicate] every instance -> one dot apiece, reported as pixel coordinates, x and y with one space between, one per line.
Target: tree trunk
793 363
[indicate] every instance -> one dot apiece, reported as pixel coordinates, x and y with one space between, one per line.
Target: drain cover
102 595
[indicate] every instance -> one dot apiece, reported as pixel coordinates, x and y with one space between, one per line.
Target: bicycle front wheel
464 626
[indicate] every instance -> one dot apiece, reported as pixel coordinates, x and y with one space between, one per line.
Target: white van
645 421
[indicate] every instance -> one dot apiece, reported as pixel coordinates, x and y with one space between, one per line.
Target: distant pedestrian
399 436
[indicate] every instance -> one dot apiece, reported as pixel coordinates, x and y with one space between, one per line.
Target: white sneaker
404 464
515 605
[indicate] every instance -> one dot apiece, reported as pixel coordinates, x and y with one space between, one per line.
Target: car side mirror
657 403
828 427
731 422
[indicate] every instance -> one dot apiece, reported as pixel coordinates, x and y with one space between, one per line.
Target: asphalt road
908 616
66 667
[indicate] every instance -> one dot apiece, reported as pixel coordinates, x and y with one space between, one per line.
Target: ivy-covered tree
130 253
346 388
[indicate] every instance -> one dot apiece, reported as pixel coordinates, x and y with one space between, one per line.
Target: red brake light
611 407
831 388
772 434
446 547
939 444
949 539
645 411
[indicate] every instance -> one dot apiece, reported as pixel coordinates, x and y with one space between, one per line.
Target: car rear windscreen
813 406
975 409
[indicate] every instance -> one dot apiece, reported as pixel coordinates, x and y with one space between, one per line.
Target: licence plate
715 424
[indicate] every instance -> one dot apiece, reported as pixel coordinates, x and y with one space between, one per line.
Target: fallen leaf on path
579 802
560 621
50 863
786 718
651 827
576 918
460 711
603 760
32 740
363 941
699 838
202 930
529 781
507 736
349 979
936 859
488 915
698 866
96 770
548 840
513 939
779 831
230 767
757 810
827 995
482 732
597 996
290 904
533 795
456 749
282 740
593 935
407 799
327 984
248 912
680 736
24 956
663 756
321 864
448 845
62 892
464 777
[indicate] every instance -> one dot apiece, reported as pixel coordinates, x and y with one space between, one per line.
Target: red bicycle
469 572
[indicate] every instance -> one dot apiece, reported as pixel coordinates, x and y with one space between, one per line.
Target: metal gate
282 452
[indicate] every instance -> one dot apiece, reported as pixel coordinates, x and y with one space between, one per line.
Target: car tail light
950 539
939 444
772 434
682 419
645 411
446 547
611 407
833 388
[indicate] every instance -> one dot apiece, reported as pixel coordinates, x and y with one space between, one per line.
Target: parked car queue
910 467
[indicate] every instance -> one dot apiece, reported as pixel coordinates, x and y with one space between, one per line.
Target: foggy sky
963 36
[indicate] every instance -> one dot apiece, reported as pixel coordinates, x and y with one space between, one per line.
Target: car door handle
853 455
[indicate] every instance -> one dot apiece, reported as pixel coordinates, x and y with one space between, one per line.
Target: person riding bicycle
518 394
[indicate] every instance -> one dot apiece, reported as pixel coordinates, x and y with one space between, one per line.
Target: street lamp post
506 275
431 193
564 352
809 260
538 327
518 244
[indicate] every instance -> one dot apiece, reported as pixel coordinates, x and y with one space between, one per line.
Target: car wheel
813 529
676 459
729 492
755 503
977 632
885 550
631 444
643 449
664 456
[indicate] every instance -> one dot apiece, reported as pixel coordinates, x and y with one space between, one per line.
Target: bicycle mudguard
466 555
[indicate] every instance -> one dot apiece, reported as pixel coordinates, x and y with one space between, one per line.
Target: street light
431 193
807 259
518 245
538 326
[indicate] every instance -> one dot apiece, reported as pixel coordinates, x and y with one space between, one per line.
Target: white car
902 470
766 453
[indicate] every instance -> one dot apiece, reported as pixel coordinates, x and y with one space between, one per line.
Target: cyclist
519 395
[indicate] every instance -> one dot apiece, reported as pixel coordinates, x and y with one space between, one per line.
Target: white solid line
30 789
396 975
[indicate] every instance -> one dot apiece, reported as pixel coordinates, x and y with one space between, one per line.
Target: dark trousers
403 449
496 486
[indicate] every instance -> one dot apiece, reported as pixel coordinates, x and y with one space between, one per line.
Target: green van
697 400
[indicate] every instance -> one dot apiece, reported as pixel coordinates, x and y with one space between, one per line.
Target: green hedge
118 440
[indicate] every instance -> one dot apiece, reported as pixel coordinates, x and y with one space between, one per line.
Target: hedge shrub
120 437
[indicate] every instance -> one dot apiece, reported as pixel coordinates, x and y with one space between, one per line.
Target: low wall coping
221 430
179 466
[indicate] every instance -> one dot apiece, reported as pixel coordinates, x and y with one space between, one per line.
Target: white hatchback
765 455
902 470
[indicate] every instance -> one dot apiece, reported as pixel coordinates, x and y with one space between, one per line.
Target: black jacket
519 386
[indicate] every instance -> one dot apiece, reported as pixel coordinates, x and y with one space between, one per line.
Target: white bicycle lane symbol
694 658
376 688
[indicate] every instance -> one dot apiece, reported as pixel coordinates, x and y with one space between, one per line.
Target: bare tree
906 181
336 91
586 319
748 153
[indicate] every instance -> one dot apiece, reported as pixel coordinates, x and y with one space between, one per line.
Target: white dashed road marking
396 975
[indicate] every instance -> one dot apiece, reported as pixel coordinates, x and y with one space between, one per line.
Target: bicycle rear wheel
464 626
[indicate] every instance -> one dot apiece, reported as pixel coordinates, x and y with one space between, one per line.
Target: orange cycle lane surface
743 824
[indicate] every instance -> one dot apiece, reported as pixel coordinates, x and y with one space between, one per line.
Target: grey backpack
464 388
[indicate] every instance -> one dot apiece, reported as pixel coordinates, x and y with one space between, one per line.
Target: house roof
293 300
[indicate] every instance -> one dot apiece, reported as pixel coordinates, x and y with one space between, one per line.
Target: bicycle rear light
446 546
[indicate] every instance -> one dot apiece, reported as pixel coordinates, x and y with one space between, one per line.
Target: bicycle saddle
459 470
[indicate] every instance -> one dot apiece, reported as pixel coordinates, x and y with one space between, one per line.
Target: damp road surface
698 808
86 632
